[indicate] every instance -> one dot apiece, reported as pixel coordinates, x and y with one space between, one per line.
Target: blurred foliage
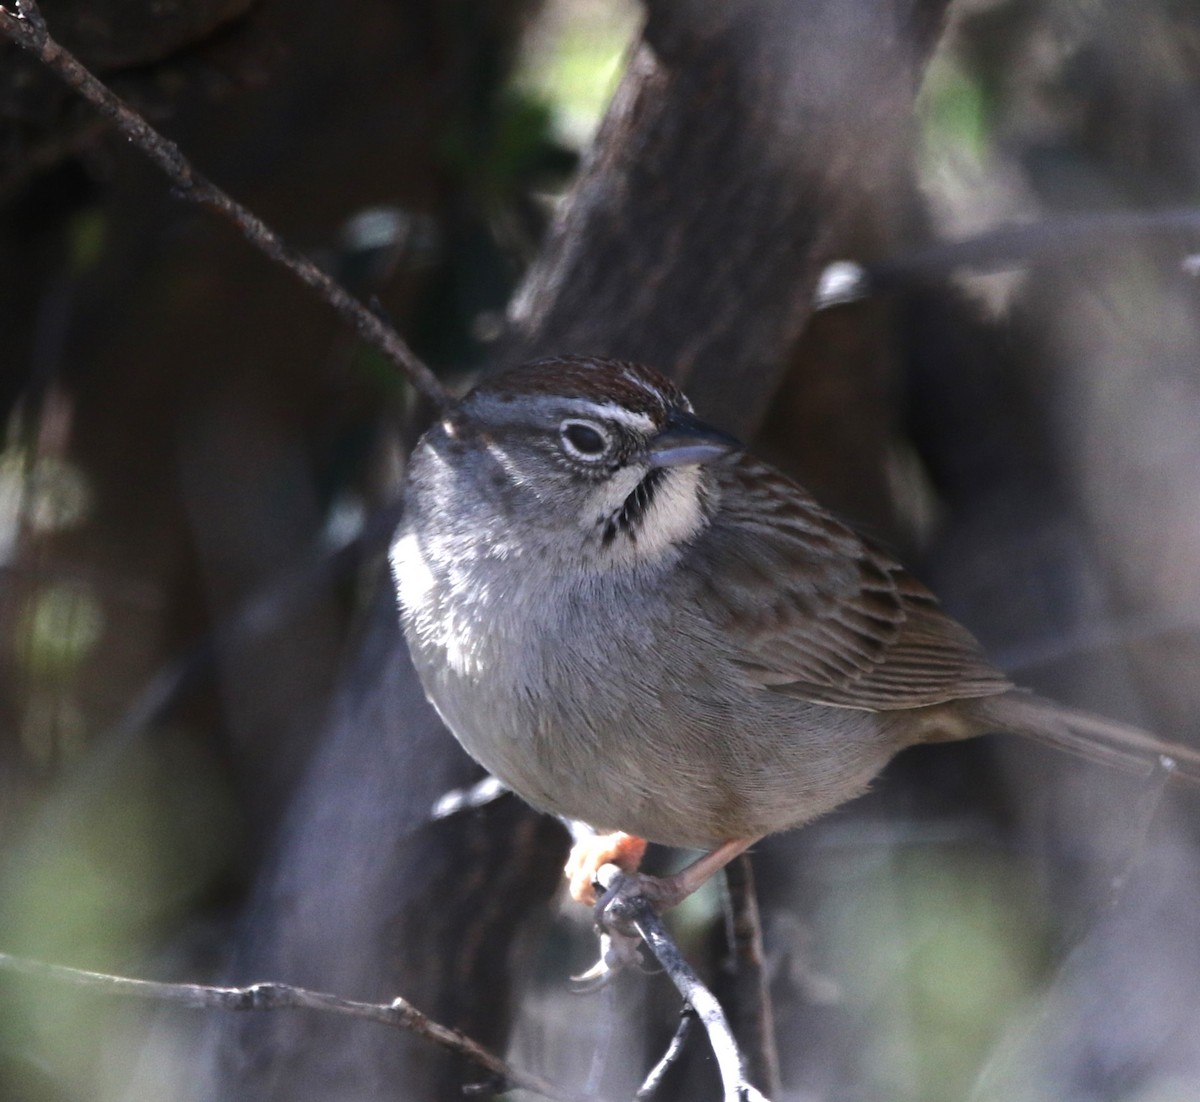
93 880
47 494
938 945
572 60
953 112
86 240
61 625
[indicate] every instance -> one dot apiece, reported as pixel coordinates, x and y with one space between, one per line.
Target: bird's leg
626 852
665 892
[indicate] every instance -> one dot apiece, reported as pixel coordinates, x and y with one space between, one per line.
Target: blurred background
215 764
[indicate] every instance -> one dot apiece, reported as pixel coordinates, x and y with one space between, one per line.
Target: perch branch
22 23
399 1014
630 913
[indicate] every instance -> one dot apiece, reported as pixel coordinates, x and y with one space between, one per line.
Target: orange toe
623 850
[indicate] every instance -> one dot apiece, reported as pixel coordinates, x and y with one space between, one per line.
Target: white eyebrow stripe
611 411
644 384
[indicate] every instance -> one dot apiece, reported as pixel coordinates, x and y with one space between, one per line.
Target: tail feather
1094 737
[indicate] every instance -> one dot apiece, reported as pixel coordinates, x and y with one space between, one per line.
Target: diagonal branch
22 23
626 913
734 1082
399 1014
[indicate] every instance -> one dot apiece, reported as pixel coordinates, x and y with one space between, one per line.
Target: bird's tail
1091 736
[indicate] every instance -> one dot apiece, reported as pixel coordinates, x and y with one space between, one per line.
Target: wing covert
819 613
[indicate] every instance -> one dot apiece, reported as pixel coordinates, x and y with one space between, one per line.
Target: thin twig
1005 249
23 24
736 1086
399 1014
631 912
1140 818
753 1018
654 1079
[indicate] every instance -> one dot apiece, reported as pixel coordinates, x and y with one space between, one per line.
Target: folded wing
821 614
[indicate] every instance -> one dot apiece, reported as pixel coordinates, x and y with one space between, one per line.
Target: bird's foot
589 854
614 911
624 891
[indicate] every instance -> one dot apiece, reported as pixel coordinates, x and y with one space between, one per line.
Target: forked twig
22 23
630 913
655 1077
399 1014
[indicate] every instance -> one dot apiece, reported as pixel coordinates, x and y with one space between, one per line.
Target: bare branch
674 1050
1005 249
23 24
629 912
750 1009
399 1014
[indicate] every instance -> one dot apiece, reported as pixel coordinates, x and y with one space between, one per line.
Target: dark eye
583 439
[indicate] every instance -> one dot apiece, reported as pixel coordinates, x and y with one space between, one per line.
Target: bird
633 622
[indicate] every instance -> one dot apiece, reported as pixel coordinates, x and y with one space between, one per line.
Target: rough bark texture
743 150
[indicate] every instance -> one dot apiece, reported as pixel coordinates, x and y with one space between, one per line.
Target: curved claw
617 953
596 978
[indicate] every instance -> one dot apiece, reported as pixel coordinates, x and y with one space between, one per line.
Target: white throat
674 514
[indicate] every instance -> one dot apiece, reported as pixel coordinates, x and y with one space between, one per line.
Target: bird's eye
583 439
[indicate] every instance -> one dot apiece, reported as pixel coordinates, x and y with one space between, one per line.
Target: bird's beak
686 439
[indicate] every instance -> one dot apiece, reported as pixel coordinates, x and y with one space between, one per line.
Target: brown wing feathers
847 625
